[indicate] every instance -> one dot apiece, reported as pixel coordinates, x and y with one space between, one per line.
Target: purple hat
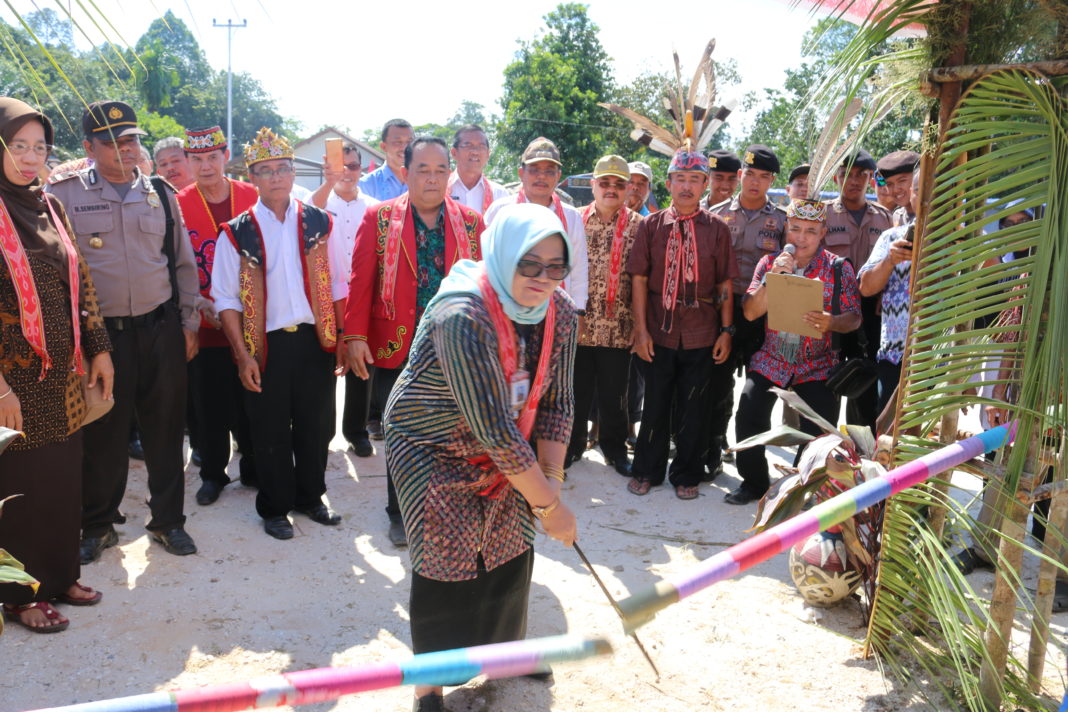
684 160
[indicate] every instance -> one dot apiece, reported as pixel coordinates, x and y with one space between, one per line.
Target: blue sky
356 65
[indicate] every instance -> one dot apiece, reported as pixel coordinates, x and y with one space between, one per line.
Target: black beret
722 161
861 159
898 162
802 170
762 158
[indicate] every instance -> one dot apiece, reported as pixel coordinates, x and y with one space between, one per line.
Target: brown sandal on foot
55 625
72 601
639 486
685 492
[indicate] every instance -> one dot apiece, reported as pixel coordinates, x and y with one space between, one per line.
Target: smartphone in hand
335 157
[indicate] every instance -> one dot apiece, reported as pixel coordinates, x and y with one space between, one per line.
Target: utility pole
230 27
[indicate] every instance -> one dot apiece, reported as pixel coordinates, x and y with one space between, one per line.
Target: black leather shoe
363 448
619 464
375 430
711 473
209 492
321 514
968 560
740 496
429 703
136 451
278 527
176 541
93 546
397 536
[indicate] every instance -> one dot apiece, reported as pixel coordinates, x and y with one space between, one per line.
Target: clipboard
791 297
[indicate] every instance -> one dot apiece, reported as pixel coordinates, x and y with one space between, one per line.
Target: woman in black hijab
49 323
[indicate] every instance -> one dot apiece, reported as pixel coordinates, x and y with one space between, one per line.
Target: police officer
723 167
854 225
756 226
894 173
146 283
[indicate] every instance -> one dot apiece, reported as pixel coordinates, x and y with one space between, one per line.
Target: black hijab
25 204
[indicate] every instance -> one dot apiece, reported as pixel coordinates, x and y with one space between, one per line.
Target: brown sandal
72 601
55 625
639 486
685 492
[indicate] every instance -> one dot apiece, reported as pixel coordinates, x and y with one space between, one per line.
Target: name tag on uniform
92 208
520 389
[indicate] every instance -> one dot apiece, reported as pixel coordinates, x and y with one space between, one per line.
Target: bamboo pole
1053 547
946 75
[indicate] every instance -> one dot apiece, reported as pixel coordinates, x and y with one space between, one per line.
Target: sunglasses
1005 222
354 167
533 268
880 180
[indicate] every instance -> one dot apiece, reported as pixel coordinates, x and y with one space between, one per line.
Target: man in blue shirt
386 181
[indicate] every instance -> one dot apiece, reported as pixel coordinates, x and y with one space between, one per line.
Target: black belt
293 329
125 323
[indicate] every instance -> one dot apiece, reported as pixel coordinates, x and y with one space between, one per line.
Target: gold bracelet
543 512
553 471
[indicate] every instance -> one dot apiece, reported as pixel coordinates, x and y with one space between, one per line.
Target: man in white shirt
540 171
340 196
467 184
279 285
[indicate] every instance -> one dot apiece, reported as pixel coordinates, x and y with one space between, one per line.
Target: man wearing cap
723 169
211 200
404 248
468 185
141 261
279 288
387 181
602 361
894 174
638 185
756 225
169 154
539 172
853 226
340 196
797 184
681 268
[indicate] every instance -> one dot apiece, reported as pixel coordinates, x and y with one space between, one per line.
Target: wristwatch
727 329
543 512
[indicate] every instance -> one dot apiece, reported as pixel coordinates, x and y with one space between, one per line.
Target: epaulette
60 177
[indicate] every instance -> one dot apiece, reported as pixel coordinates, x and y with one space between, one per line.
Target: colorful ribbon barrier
304 687
640 608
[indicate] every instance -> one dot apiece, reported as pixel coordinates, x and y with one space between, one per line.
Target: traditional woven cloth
205 140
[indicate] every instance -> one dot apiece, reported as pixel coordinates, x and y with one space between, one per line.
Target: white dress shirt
347 217
472 197
300 193
576 283
287 304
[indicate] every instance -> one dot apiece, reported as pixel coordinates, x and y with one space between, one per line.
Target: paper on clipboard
791 297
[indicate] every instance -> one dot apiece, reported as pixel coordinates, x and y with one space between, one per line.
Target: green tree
552 89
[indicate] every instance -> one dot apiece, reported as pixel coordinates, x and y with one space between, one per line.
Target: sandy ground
248 605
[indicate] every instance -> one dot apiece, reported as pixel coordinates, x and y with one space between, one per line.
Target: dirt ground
248 605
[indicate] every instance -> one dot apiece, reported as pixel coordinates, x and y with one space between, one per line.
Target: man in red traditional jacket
210 201
404 248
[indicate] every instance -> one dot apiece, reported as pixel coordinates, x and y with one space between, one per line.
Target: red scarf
615 266
493 484
557 205
30 316
391 258
487 191
680 264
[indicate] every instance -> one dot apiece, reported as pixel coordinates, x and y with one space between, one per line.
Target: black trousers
601 374
889 376
748 338
383 384
754 417
357 405
219 406
676 398
288 419
150 381
635 390
864 409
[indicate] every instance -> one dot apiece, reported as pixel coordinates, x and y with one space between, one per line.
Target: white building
308 158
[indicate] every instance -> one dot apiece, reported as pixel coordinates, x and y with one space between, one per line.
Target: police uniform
753 235
720 161
122 239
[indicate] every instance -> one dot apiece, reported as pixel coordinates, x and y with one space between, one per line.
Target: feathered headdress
692 110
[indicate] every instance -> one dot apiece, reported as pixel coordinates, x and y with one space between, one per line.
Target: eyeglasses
467 146
1005 222
879 179
533 268
19 148
281 171
353 166
550 171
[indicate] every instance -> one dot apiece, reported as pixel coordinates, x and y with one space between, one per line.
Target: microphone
790 249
